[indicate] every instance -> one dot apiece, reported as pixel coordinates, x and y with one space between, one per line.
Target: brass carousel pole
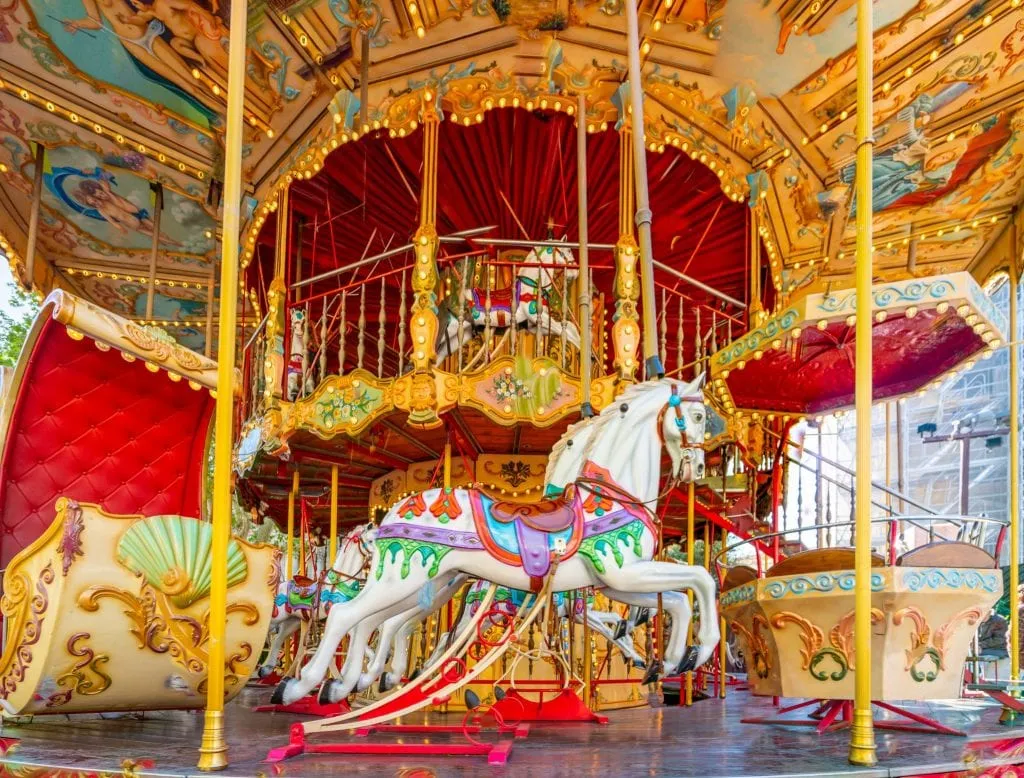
33 216
333 541
210 292
1014 465
652 361
586 409
862 732
213 751
288 563
154 249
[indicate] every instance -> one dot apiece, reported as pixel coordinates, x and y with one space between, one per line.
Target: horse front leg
285 629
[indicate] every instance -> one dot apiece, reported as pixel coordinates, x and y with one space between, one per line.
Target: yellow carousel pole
288 564
333 542
213 751
862 732
33 216
652 361
1014 465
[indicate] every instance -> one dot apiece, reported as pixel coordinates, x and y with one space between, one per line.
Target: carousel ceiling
759 97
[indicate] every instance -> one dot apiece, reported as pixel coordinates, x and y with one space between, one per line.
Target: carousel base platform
705 740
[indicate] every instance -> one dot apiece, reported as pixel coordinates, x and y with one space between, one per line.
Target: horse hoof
264 671
499 693
643 616
277 698
620 630
640 664
653 671
415 673
689 660
326 695
472 700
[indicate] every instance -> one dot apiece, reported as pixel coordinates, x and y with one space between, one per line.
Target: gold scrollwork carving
28 623
157 627
77 679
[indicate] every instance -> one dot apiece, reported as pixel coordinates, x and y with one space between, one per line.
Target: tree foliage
15 320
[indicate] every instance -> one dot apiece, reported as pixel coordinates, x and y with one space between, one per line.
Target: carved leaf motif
810 635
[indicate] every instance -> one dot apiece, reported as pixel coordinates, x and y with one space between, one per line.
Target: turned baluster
664 327
679 338
342 331
323 342
401 328
361 334
382 318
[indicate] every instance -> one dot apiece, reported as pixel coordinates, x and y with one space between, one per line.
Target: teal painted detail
628 536
504 535
428 552
550 490
756 339
935 578
824 582
741 594
889 295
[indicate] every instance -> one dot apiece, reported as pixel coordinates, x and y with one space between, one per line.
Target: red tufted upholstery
92 426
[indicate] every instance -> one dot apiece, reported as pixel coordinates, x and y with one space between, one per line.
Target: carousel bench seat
737 576
819 560
947 553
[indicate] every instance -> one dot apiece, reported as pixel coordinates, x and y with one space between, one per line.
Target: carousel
418 387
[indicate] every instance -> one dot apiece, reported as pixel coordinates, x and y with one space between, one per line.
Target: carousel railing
970 530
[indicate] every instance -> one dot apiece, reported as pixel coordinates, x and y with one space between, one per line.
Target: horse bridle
675 404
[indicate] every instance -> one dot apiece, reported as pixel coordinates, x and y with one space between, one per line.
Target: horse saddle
529 535
553 515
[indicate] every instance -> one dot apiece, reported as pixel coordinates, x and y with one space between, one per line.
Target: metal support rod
364 80
653 366
210 297
586 409
862 730
158 207
965 475
290 552
33 217
1014 584
333 536
457 236
213 752
690 539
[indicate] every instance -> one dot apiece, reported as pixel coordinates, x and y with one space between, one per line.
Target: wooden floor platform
707 740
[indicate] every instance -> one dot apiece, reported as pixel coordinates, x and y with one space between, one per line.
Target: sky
6 284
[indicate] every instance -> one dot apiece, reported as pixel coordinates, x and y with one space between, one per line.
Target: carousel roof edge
153 345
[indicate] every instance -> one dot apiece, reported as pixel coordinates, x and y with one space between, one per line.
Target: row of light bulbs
152 367
908 72
99 129
72 271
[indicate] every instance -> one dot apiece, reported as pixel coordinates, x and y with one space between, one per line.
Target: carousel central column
213 751
277 307
862 732
652 361
625 322
423 320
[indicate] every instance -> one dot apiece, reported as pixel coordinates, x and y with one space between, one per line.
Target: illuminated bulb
881 316
851 320
886 87
420 32
911 312
908 72
959 38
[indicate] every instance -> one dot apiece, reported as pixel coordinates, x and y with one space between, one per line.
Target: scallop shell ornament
174 555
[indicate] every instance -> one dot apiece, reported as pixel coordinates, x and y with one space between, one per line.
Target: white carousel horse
526 302
298 355
395 636
301 600
608 512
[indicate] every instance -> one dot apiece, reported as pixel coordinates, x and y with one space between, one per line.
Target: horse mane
630 394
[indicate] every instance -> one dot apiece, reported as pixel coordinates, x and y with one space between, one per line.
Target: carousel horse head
550 255
356 549
681 424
